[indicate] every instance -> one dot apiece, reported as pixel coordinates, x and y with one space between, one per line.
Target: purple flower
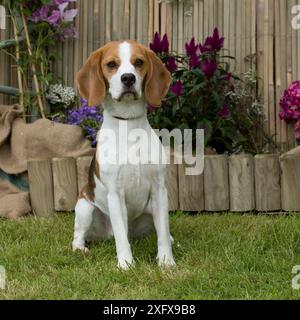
55 13
159 45
54 18
155 44
171 64
194 62
177 88
227 77
191 48
225 112
214 43
67 15
165 44
209 68
41 14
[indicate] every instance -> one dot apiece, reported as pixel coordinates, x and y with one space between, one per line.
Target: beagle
124 200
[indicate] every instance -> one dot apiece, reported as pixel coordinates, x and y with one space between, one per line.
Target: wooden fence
242 183
257 32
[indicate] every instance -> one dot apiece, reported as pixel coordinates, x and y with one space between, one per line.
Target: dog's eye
112 65
139 63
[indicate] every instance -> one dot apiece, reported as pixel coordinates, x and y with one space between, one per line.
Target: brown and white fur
123 201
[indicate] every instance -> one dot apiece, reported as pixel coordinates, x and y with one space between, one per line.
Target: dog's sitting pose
124 200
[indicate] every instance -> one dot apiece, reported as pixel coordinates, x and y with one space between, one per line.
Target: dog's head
125 71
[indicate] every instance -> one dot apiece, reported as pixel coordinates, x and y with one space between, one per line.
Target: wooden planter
240 183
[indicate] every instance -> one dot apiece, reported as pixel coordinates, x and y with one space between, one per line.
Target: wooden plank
108 24
83 165
216 184
133 8
65 183
290 186
267 183
180 42
241 182
283 67
41 187
191 191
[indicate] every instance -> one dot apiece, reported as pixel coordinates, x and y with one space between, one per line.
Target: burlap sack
20 142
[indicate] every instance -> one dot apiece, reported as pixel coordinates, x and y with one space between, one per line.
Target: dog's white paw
83 249
166 261
125 264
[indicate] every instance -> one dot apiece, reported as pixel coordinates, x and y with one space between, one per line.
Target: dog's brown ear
158 80
90 80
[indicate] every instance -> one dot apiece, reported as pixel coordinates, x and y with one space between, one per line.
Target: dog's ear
90 80
158 80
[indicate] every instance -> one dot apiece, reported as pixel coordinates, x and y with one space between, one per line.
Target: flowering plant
203 96
37 26
56 14
89 118
290 106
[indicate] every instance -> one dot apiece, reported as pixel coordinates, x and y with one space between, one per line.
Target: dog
124 200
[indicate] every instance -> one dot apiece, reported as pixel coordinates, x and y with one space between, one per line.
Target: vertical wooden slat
241 182
83 166
191 191
216 186
290 186
41 187
64 183
267 183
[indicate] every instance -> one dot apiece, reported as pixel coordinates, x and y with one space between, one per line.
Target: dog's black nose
128 79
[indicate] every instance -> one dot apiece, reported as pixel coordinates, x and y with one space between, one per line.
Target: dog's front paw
125 263
165 261
83 249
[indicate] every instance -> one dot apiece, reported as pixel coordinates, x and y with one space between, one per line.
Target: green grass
218 257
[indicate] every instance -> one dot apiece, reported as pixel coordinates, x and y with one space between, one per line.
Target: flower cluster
56 14
89 118
290 106
204 95
58 94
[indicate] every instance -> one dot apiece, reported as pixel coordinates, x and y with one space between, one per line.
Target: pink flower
171 64
213 43
209 68
225 112
159 45
177 88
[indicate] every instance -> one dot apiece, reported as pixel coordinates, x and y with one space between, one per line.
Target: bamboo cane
33 67
19 73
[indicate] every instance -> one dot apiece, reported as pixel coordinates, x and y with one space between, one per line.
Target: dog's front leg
120 227
160 213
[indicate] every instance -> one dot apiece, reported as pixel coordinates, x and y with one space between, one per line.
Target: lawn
218 257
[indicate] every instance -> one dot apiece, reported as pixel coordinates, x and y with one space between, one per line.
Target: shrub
205 95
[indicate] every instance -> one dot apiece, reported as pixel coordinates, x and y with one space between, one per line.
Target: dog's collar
126 119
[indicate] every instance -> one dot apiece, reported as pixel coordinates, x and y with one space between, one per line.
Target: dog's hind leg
83 224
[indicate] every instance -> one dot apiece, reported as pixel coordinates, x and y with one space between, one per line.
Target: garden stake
20 82
36 83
